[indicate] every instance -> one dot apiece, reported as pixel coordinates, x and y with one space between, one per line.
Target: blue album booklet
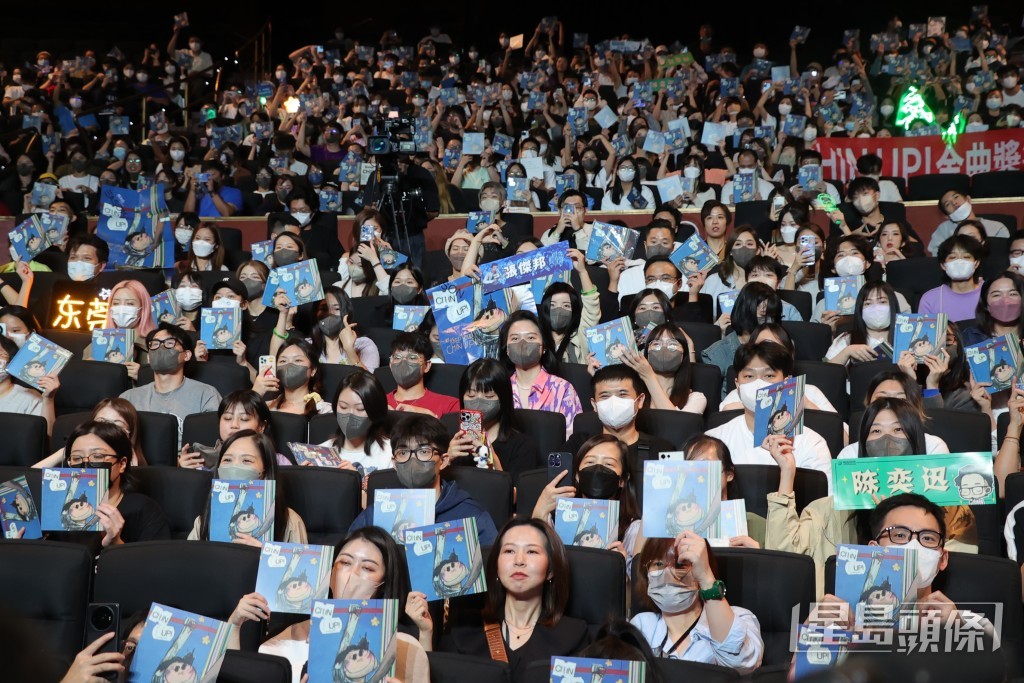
352 640
609 341
608 242
398 510
220 327
292 575
408 318
137 227
37 357
693 256
919 334
876 581
744 187
165 308
478 220
242 508
299 283
179 646
726 300
70 498
587 670
587 523
780 409
819 648
841 293
681 495
114 345
18 510
445 559
995 361
262 251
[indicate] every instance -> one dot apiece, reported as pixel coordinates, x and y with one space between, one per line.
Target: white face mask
810 134
667 288
886 109
785 108
976 127
959 269
182 235
79 271
202 248
1017 262
124 316
850 265
189 297
626 175
177 154
877 316
691 172
18 339
301 216
1009 81
224 302
490 204
927 562
788 233
961 213
615 411
748 393
865 205
759 53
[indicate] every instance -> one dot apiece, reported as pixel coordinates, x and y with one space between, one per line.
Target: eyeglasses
975 491
424 453
668 279
168 343
411 357
668 346
901 535
91 460
679 571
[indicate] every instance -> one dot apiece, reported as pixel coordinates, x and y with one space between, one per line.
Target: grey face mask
888 445
331 326
285 257
524 354
742 256
253 289
353 426
664 360
560 319
357 274
292 376
645 318
406 374
437 349
489 407
403 294
238 473
164 361
658 250
669 597
415 474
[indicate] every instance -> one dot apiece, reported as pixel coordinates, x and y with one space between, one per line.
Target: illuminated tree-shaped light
951 132
913 107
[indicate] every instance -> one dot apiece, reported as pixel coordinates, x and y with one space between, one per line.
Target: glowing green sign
913 107
951 132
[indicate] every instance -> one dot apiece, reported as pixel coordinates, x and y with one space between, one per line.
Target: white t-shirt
608 203
378 459
811 450
843 340
932 444
88 183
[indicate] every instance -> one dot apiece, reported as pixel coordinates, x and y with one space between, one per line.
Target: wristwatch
716 592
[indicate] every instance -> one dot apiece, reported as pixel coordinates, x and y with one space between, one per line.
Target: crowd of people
573 119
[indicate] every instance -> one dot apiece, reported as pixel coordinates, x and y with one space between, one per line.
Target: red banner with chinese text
994 150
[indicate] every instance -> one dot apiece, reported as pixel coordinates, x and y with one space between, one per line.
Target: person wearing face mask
957 208
249 455
685 614
368 565
626 193
205 250
130 306
999 309
360 270
619 394
170 348
890 426
406 287
456 248
296 383
325 156
864 214
319 229
572 225
848 256
125 515
665 368
658 239
484 387
756 304
15 398
419 453
567 314
337 339
87 257
741 248
361 440
959 256
199 63
747 162
410 362
873 324
759 365
79 179
214 198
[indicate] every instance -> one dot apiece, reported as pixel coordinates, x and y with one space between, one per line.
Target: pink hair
145 324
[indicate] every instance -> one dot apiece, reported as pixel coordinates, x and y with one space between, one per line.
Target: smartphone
807 248
102 618
202 177
266 366
472 422
778 202
766 86
672 455
366 233
569 209
560 461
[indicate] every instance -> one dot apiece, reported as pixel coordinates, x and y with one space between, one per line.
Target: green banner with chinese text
946 479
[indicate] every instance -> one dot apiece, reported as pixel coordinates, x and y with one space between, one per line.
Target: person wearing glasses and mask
658 239
419 456
687 615
410 362
170 348
126 516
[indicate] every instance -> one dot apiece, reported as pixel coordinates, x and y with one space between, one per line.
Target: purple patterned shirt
550 393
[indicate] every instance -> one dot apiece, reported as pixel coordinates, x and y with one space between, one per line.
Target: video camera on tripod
395 137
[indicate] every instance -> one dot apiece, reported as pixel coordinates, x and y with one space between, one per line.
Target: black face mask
645 318
253 289
597 482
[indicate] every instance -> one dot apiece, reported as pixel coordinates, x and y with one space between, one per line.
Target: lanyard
666 653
